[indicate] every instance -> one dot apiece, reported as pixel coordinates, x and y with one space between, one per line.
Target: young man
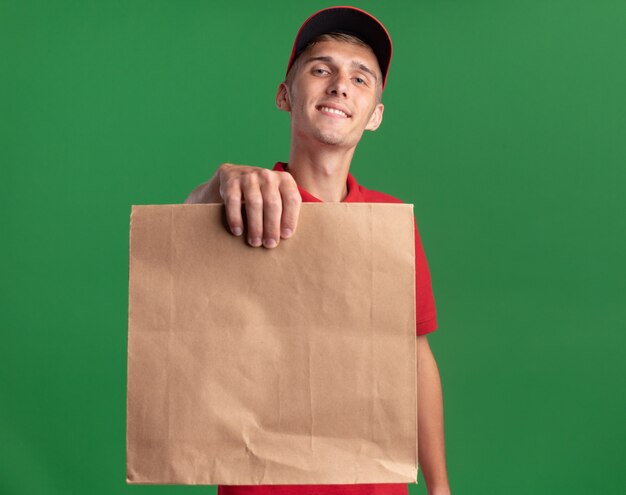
335 78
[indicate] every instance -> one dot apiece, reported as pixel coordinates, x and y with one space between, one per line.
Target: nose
338 85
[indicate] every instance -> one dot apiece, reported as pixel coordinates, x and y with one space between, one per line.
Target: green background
505 125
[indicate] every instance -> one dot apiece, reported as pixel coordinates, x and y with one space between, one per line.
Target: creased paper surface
294 365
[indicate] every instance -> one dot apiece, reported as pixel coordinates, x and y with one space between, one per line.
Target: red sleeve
425 313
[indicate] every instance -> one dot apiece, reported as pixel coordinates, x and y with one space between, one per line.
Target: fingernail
286 232
237 231
269 243
256 242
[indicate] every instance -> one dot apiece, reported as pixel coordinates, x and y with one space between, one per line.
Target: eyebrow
354 64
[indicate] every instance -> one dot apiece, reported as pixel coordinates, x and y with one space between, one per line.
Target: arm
271 200
431 449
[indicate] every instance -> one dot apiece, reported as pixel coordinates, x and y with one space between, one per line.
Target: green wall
505 125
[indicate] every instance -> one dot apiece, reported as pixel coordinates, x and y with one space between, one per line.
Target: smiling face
333 94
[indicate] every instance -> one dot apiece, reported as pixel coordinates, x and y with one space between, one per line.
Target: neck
321 169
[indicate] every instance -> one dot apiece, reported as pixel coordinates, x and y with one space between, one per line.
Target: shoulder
372 196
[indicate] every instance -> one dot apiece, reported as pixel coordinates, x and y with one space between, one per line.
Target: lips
333 110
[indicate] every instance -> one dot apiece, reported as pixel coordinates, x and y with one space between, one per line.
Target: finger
254 208
232 196
272 208
291 200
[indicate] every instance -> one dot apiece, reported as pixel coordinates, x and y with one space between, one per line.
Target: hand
271 199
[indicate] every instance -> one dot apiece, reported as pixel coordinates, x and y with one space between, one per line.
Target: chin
329 138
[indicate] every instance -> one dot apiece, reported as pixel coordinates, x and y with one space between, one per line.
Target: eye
361 80
320 71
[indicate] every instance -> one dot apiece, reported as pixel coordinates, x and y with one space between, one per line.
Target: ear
282 98
376 118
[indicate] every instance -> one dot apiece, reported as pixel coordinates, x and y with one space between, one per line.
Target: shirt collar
351 184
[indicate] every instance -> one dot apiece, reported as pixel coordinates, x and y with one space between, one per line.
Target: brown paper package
294 365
